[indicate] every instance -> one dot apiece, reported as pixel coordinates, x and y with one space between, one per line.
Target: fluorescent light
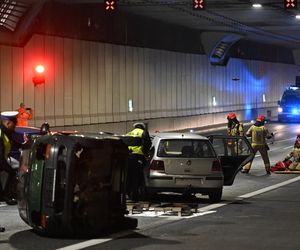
256 5
297 16
214 101
130 105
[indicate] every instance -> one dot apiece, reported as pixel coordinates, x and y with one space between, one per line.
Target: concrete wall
88 85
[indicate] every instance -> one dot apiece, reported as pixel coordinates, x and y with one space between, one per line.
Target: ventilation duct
219 55
17 19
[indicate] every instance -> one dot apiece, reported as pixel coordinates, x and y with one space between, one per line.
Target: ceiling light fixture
256 5
297 16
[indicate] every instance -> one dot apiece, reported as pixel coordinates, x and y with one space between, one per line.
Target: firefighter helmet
231 116
261 118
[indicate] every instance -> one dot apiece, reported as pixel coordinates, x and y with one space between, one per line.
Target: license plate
189 181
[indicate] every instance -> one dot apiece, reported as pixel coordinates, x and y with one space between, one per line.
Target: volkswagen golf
189 163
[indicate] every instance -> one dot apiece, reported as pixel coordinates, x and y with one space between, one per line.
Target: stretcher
287 172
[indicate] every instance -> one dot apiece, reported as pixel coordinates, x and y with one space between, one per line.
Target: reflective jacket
6 143
137 132
236 129
23 117
5 146
258 135
295 154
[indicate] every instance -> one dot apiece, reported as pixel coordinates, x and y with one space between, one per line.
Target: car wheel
215 196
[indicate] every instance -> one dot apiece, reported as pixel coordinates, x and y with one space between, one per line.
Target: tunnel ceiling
270 24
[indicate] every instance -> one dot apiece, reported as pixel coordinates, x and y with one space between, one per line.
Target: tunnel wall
88 85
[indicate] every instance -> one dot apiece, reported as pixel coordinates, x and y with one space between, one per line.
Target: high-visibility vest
258 135
6 142
23 117
237 129
295 153
137 132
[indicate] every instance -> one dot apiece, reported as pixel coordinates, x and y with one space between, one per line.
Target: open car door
234 152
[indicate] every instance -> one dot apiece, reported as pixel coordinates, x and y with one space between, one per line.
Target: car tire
215 196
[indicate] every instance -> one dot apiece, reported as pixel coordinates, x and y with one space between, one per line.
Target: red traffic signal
198 4
290 4
39 75
110 5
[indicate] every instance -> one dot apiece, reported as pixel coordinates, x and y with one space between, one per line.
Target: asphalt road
258 212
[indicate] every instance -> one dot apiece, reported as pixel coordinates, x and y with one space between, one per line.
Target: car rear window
185 148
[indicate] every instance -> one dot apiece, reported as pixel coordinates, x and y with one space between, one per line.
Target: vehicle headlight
280 109
295 111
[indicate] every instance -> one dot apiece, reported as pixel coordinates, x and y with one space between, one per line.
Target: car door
234 152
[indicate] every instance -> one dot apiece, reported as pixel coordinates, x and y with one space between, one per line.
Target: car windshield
291 97
185 148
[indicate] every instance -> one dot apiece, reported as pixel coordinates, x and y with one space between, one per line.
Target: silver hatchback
191 163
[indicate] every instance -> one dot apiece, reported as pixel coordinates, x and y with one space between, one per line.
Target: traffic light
198 4
290 4
110 5
39 74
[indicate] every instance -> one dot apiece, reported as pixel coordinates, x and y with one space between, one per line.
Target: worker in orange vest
24 115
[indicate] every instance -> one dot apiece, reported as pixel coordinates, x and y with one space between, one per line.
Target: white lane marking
200 214
85 244
244 196
94 242
270 188
203 211
289 139
287 147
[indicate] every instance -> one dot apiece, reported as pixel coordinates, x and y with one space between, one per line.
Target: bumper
288 117
182 184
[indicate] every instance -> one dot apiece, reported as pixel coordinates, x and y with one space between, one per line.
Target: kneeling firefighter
137 160
294 155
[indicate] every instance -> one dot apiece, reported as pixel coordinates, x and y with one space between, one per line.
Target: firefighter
294 155
7 128
137 160
259 133
234 128
24 114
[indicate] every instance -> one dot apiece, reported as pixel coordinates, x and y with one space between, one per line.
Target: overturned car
73 184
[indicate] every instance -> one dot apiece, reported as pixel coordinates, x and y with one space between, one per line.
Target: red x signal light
198 4
290 4
110 5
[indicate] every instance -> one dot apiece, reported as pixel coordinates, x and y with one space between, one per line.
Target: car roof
27 130
177 135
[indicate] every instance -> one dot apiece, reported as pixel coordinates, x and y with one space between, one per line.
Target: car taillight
216 166
157 165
